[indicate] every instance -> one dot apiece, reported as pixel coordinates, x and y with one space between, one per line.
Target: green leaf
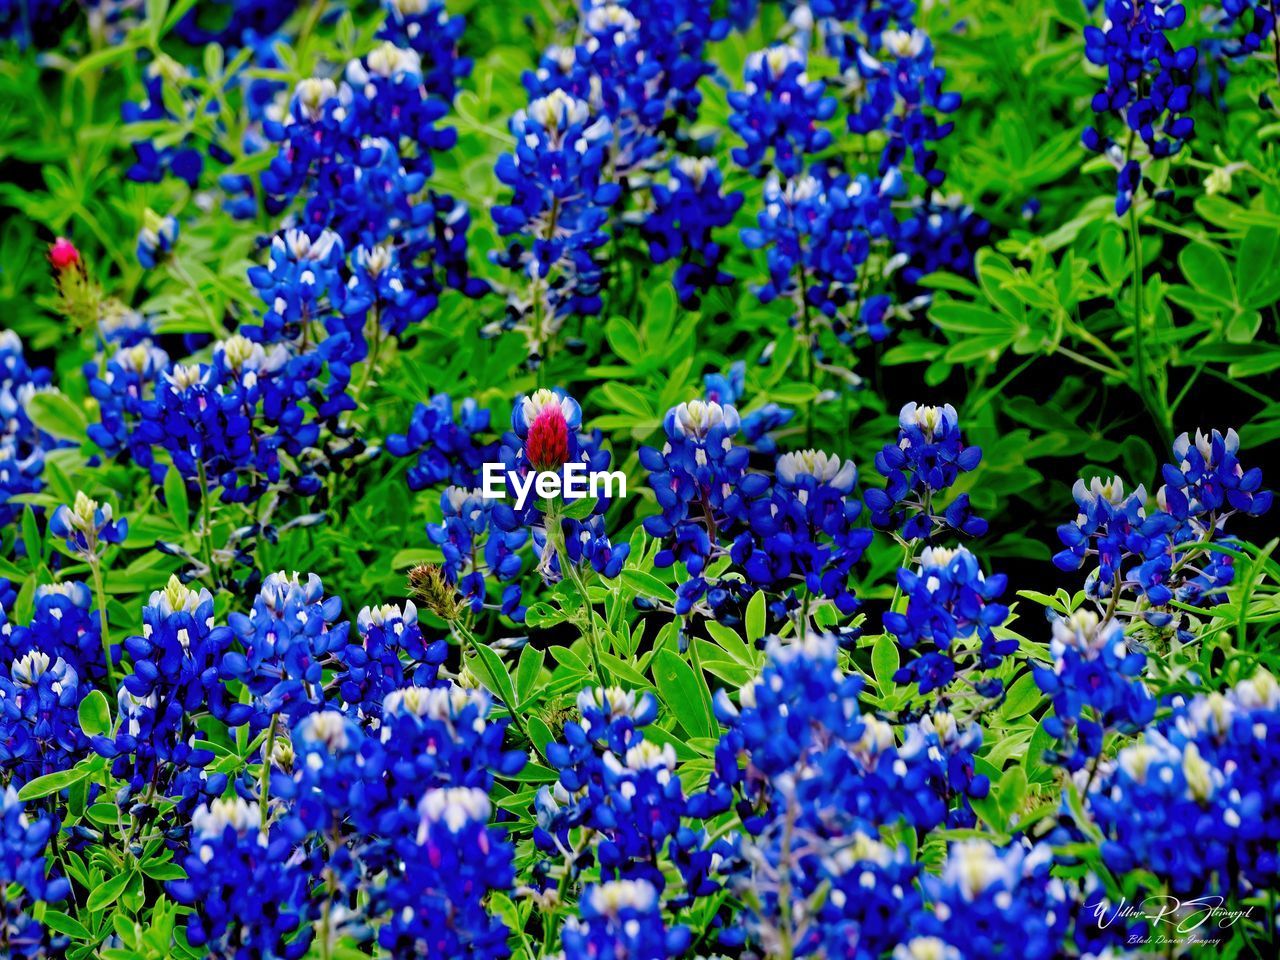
755 619
175 496
527 672
56 920
95 714
682 692
1206 269
647 585
107 892
52 783
884 661
31 535
54 413
488 667
1023 697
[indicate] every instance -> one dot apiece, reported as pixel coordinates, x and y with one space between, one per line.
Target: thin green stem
206 521
268 748
99 588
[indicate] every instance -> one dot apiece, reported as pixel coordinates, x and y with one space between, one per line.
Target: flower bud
63 254
548 445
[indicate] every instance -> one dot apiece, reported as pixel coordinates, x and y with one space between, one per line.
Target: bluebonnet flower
827 234
1148 88
440 736
894 87
559 207
941 234
805 527
990 901
288 638
427 27
225 21
693 476
780 110
87 527
948 600
1207 480
475 548
156 238
22 444
445 443
247 893
24 875
183 159
757 426
63 625
1194 802
1131 547
820 779
39 721
622 918
1260 24
176 676
1095 683
926 460
122 384
387 651
624 789
686 209
437 899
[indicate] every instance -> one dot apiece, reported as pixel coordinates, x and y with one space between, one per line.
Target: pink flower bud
63 254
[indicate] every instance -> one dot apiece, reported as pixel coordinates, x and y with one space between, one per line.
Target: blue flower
687 208
247 893
1095 683
156 238
990 901
39 717
780 110
558 211
436 899
24 875
949 600
926 460
1148 88
1195 802
22 445
622 918
176 678
447 449
87 527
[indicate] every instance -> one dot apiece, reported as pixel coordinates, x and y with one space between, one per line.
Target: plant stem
469 640
95 566
206 522
808 349
268 748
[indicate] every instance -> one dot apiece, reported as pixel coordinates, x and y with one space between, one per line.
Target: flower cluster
622 918
1195 802
1148 88
780 111
25 879
926 461
623 789
826 233
686 209
950 600
820 779
39 716
1095 684
557 214
1161 549
447 449
22 444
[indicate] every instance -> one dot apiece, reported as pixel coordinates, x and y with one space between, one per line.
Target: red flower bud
548 445
63 254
